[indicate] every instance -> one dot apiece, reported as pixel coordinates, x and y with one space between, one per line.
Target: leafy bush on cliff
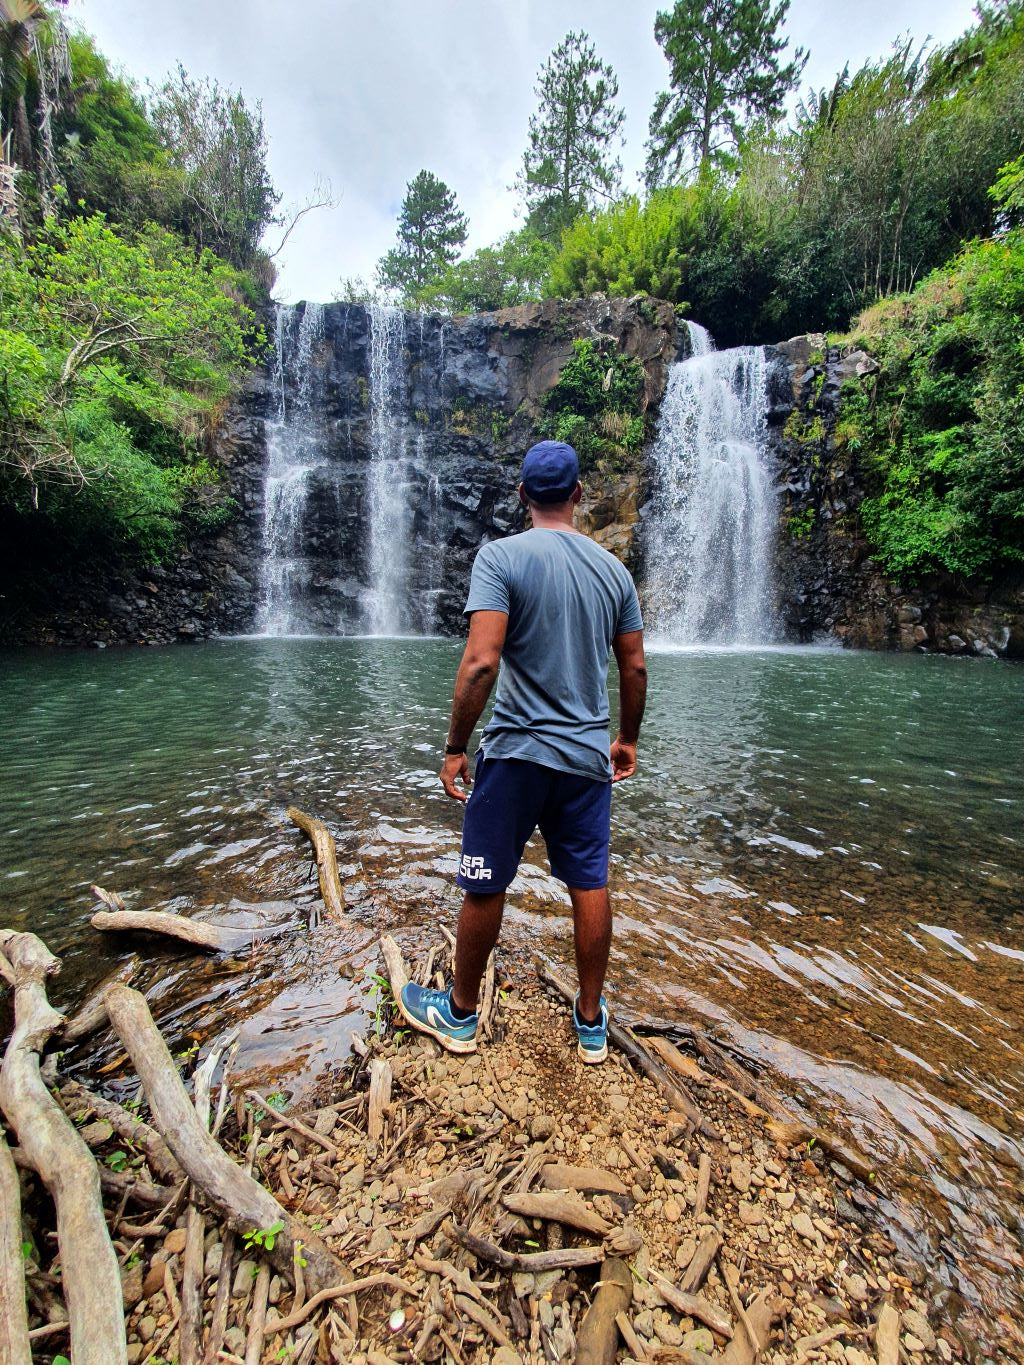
595 406
115 357
941 429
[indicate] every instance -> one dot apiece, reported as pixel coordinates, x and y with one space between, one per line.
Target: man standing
549 606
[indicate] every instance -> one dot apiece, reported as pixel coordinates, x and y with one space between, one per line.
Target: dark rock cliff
473 388
829 586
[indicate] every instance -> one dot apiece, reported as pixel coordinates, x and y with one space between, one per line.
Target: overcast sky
365 93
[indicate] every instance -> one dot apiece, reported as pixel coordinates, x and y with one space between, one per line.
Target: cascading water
386 601
293 455
708 538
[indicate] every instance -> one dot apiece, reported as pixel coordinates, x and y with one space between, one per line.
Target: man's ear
522 496
577 493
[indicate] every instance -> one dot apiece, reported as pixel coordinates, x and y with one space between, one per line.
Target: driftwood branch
598 1338
394 964
14 1342
92 1012
211 938
245 1205
90 1276
127 1126
561 1208
326 860
535 1261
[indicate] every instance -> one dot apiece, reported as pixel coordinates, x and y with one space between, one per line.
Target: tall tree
568 164
218 142
431 230
723 57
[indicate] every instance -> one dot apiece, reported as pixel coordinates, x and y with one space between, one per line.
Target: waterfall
386 601
293 456
708 537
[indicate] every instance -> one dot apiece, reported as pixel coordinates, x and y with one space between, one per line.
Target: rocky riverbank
513 1205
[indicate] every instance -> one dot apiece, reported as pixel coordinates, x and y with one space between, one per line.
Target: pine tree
724 72
431 230
568 164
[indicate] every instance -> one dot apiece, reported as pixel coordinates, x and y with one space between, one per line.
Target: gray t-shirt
566 599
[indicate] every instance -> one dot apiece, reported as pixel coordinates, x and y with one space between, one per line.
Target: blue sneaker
431 1012
593 1037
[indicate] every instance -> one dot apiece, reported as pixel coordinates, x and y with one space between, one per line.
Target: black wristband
454 749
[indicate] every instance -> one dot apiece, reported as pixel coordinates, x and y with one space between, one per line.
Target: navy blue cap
551 472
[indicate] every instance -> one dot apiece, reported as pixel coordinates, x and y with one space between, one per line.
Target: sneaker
431 1012
593 1038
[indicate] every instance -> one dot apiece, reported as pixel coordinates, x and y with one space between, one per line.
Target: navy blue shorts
511 797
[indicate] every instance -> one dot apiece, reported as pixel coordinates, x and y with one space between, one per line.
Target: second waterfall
709 536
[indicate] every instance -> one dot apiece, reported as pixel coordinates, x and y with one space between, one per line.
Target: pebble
244 1276
667 1332
147 1327
211 1266
274 1290
381 1242
618 1104
751 1215
643 1324
685 1252
700 1339
672 1213
739 1174
857 1287
912 1343
234 1340
542 1126
134 1352
174 1242
154 1280
785 1200
95 1133
504 1355
803 1225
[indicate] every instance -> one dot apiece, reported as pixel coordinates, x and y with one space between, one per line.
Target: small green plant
801 524
383 1001
117 1161
264 1237
277 1101
186 1054
26 1250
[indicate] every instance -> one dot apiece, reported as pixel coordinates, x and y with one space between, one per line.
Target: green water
821 855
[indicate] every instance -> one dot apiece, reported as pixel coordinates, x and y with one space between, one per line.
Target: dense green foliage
595 406
431 229
568 163
724 72
499 276
880 181
940 429
114 356
122 333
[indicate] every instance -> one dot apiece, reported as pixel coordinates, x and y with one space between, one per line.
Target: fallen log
244 1204
90 1276
326 855
14 1342
598 1338
627 1043
687 1068
198 933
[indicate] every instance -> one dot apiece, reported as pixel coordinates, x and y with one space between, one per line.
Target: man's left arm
473 683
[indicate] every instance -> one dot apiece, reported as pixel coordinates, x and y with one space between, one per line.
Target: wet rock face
472 397
829 586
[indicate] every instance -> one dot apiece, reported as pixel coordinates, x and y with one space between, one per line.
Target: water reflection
820 856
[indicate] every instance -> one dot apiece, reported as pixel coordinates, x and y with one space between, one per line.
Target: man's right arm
629 657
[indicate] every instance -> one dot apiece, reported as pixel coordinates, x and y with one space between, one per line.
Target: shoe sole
449 1043
591 1057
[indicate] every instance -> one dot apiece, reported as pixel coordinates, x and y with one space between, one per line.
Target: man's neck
552 519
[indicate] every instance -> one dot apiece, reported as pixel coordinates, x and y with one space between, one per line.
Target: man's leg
592 930
479 927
